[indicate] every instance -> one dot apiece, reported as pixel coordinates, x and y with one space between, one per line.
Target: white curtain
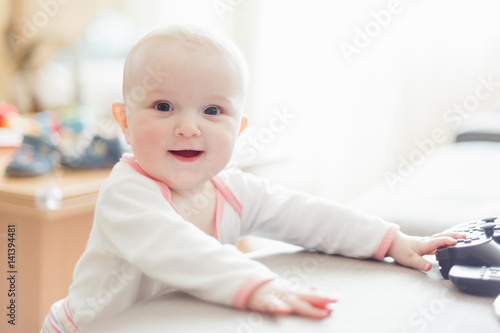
341 92
370 84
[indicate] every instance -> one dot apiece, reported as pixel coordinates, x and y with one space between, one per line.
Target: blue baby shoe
36 156
100 153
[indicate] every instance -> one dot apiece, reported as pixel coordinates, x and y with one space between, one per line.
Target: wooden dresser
44 226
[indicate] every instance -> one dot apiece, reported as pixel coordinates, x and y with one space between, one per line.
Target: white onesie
140 246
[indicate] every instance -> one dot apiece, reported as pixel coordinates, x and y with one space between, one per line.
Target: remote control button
493 273
488 229
489 219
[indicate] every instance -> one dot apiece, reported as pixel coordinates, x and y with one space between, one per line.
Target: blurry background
341 92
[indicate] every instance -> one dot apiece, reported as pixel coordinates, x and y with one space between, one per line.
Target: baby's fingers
309 304
278 297
451 234
305 308
317 299
433 244
414 258
272 304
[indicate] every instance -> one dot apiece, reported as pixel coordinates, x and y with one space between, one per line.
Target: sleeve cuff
385 243
242 296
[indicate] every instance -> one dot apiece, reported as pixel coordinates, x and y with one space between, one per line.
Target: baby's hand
408 250
278 297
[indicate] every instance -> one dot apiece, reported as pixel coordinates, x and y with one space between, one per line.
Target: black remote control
479 248
484 281
489 226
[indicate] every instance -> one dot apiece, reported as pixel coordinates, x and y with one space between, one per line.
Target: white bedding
456 183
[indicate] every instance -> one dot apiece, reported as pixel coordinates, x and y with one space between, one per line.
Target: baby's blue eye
163 106
212 111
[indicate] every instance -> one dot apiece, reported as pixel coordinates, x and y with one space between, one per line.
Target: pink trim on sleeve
385 243
242 296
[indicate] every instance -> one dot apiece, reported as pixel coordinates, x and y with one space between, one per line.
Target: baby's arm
137 226
279 297
408 250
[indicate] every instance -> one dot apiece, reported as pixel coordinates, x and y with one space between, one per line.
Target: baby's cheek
227 142
222 144
154 135
146 140
150 132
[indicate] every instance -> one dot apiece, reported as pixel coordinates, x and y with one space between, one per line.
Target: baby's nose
187 126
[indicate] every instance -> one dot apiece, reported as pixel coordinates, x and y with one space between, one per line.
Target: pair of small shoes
38 156
100 153
35 157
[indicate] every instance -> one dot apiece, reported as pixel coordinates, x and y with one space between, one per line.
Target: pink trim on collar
219 211
165 191
228 194
223 192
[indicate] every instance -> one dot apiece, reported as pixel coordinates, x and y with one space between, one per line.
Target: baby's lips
186 152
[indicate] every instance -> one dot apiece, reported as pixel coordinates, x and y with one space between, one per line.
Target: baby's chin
188 182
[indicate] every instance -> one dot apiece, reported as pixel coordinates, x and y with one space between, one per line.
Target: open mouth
186 155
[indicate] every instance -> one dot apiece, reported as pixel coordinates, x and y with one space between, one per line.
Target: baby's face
183 112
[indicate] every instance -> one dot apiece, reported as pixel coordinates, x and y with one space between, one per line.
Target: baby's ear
121 118
244 123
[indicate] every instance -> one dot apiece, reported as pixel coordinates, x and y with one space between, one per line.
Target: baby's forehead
160 43
156 49
153 54
159 47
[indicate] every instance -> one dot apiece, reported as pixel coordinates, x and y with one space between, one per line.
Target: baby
168 216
